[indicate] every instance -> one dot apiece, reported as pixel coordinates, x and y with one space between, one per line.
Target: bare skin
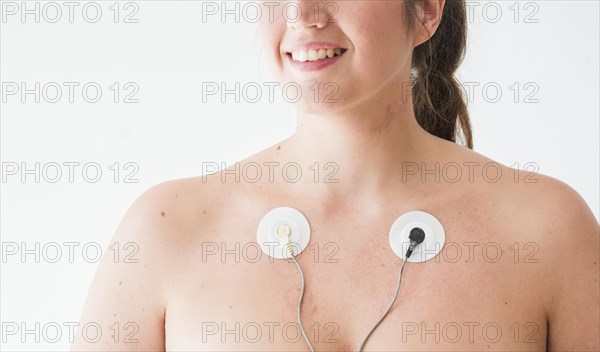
519 271
191 283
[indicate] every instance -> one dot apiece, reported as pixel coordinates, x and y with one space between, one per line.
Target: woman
378 117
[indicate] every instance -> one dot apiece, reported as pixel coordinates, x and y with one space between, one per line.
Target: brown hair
439 104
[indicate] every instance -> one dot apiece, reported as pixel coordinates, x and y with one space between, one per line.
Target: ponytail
438 99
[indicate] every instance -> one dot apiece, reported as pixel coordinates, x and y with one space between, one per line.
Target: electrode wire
300 302
388 309
374 326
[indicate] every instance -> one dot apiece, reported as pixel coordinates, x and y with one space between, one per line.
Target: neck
366 147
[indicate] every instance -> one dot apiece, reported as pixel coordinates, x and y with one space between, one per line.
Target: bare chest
477 294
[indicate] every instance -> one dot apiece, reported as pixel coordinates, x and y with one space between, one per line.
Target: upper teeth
314 55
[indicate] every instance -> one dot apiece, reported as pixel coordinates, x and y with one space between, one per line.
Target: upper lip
306 46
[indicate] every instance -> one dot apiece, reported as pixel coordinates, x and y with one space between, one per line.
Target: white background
170 132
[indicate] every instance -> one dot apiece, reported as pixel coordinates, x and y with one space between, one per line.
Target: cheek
270 33
379 37
267 35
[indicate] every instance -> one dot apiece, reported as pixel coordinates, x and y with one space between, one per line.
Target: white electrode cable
300 304
374 326
284 233
388 309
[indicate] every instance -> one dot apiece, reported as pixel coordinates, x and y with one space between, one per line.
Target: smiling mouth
315 55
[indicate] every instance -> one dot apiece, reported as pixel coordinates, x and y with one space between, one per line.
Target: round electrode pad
277 226
434 236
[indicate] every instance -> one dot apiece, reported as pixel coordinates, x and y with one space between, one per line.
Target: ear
429 16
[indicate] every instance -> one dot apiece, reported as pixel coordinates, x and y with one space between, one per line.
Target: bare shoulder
548 208
569 238
173 203
551 213
162 212
130 289
532 197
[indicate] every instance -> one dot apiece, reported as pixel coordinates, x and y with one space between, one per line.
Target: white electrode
435 236
282 229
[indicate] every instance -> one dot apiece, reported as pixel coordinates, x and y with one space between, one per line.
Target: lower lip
313 65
